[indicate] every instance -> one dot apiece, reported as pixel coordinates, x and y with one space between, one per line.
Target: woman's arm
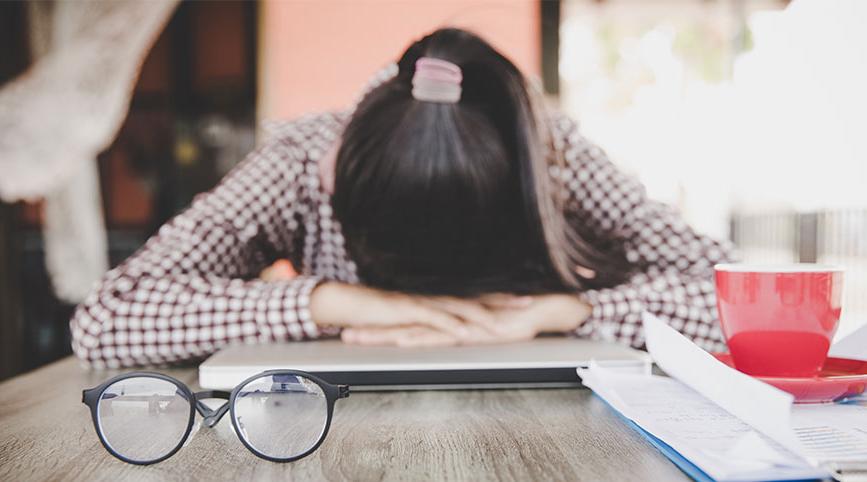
192 287
673 265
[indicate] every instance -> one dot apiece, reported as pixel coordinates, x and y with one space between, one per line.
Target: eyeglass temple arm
212 416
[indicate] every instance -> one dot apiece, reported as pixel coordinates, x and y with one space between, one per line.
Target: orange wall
317 55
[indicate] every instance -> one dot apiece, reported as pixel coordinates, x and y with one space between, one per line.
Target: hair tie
436 80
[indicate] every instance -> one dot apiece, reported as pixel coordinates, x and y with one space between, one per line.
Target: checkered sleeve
192 287
672 265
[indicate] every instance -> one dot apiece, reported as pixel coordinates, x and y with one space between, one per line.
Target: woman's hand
365 314
551 313
509 318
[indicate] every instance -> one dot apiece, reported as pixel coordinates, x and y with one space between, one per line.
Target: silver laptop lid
543 360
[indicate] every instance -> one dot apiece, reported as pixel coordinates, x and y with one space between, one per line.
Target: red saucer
839 378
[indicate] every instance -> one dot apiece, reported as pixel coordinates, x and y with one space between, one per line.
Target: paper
834 433
718 443
854 345
734 391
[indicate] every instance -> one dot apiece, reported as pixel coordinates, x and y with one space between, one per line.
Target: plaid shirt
193 287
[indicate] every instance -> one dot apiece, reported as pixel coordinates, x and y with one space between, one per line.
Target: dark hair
456 198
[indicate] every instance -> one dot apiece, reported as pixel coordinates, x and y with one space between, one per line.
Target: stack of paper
719 424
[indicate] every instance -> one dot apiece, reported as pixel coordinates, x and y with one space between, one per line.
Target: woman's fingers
441 320
500 301
421 336
402 336
470 311
371 308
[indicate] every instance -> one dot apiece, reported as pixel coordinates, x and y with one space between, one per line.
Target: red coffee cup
779 321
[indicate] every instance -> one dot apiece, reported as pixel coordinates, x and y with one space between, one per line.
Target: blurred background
747 116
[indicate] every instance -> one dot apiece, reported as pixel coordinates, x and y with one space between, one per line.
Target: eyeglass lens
143 418
281 415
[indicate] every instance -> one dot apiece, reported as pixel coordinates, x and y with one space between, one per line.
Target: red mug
779 321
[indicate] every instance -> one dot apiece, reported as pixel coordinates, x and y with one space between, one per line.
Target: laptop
542 362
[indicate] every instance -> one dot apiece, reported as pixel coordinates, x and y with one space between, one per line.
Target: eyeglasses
279 415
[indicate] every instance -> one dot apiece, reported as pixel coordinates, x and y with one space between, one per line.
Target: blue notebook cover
682 462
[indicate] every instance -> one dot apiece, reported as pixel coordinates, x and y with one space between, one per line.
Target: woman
449 211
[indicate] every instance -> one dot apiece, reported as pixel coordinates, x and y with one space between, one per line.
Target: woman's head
452 198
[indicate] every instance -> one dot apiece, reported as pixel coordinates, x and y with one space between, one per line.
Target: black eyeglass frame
211 417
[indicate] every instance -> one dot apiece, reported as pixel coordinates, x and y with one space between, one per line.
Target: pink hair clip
436 80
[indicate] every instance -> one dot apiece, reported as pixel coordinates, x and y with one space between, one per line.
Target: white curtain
66 108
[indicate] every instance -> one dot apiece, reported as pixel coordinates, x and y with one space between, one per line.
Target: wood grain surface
554 434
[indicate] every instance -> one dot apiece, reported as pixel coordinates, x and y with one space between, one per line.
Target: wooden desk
556 434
